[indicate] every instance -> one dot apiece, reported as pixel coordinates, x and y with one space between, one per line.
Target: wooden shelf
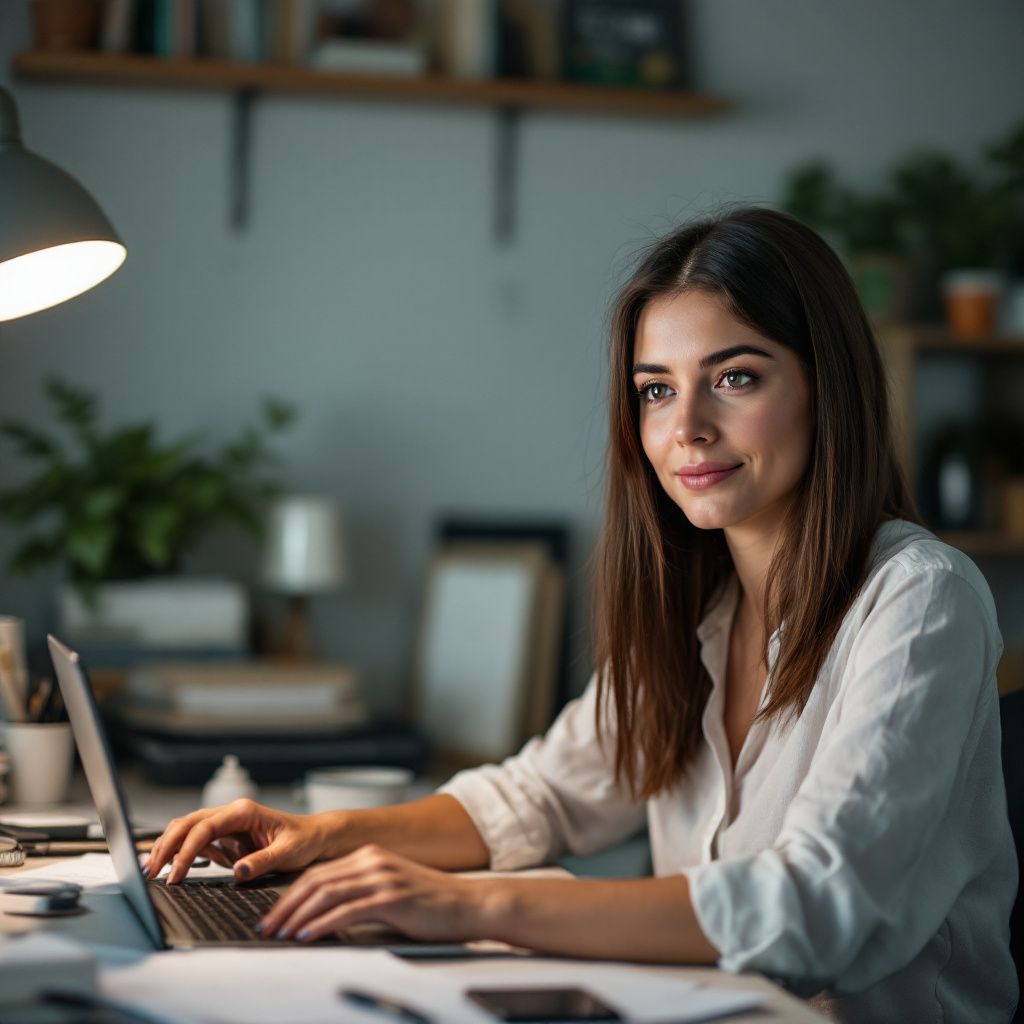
983 542
206 74
935 338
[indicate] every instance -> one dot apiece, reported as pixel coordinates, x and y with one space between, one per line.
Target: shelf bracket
506 174
241 164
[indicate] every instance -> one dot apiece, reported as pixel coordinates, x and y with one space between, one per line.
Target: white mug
330 789
41 755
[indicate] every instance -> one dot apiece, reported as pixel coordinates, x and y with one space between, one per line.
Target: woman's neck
752 551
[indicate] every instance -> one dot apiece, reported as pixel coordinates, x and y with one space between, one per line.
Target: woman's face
724 413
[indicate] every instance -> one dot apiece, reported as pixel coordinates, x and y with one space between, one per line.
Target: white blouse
862 849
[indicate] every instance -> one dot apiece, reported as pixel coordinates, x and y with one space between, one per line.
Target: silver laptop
198 912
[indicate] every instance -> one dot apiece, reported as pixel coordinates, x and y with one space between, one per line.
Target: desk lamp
55 241
304 554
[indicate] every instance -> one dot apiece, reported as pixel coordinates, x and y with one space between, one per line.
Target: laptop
198 912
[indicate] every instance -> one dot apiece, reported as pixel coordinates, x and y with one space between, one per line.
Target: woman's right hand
245 835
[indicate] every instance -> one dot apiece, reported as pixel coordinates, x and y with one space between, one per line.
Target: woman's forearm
645 919
435 831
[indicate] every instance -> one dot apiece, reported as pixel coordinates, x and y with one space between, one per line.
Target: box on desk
279 718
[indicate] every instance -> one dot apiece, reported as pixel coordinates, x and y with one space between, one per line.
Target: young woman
796 686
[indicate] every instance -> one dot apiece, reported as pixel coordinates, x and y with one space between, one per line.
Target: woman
797 685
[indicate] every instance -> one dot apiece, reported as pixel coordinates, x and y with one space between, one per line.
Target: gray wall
436 370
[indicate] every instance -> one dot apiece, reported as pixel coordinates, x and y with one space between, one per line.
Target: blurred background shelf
205 73
983 542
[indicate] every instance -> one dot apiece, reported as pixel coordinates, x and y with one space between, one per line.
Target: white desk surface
109 925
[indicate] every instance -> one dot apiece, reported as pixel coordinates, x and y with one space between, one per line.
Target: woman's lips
700 478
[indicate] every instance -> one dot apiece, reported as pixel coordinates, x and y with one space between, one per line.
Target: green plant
854 222
123 504
933 207
957 219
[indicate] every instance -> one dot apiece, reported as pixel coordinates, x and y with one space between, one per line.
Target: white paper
256 986
95 871
646 995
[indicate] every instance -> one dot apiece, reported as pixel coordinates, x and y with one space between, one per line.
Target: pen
9 686
383 1004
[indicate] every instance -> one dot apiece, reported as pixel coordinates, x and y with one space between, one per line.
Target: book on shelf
368 56
624 42
266 696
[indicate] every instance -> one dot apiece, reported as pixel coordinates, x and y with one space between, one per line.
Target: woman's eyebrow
710 360
729 353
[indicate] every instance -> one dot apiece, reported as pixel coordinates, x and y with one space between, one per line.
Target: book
118 26
289 31
368 56
624 42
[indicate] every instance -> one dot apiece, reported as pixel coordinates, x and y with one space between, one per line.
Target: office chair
1011 714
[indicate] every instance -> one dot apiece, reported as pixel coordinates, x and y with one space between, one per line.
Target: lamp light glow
45 278
55 241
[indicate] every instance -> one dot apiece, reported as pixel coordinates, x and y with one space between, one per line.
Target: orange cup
972 302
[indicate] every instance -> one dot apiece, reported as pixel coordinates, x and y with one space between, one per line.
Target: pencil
9 688
39 701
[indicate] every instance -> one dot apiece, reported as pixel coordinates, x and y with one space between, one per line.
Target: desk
111 929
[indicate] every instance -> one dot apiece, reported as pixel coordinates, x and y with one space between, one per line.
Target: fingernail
244 870
303 935
261 927
282 933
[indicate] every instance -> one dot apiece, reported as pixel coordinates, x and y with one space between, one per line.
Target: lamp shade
304 545
55 241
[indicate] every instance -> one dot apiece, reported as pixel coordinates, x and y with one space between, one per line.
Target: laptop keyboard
223 913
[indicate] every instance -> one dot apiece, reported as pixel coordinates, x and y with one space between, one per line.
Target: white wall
435 370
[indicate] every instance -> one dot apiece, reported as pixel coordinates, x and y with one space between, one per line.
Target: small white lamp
304 554
55 241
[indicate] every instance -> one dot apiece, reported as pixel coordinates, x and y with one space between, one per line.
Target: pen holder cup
40 755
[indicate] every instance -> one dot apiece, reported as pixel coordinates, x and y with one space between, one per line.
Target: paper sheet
95 871
268 986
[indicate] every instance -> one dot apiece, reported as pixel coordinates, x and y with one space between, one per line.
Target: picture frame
487 649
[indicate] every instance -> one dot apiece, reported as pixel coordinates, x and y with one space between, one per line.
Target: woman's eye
655 392
734 380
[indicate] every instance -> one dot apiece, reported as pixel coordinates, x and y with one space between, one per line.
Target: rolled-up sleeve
871 855
557 795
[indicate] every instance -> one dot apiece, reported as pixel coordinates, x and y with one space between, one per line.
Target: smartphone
542 1004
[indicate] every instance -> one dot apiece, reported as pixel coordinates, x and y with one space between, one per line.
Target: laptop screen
104 785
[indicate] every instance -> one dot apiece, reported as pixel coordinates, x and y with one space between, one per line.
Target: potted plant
120 504
864 228
966 227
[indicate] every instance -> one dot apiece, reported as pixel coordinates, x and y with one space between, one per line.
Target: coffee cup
40 756
329 789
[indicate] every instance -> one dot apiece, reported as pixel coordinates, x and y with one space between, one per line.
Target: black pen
383 1004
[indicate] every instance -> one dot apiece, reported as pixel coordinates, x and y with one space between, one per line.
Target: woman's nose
693 422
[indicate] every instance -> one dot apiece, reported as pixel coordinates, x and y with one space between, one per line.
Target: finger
277 855
313 882
216 855
321 902
343 869
168 842
372 907
235 847
234 817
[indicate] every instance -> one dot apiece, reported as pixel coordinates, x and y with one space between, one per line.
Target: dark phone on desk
542 1004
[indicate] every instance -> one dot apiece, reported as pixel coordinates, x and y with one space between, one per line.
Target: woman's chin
708 517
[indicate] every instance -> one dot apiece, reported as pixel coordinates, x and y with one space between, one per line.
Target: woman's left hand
374 884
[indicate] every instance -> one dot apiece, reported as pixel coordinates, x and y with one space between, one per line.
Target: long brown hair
656 572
